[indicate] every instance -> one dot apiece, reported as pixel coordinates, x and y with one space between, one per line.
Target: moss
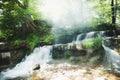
68 54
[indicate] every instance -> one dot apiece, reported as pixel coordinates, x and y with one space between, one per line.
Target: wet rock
19 78
10 54
13 57
81 52
112 54
5 58
79 46
6 47
78 53
65 50
36 67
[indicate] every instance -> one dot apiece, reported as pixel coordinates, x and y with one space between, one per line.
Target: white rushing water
40 55
88 36
112 59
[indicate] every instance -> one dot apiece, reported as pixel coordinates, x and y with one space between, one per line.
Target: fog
67 16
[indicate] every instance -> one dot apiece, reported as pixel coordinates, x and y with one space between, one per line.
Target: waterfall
88 36
67 16
112 59
40 55
81 37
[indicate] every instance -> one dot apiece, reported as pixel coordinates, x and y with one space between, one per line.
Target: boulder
36 67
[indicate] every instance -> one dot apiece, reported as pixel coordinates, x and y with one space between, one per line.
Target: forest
21 21
80 34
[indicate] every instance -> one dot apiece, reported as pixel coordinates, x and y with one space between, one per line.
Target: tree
16 17
23 4
108 12
18 22
114 14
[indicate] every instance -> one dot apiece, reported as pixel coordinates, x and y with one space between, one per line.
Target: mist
67 16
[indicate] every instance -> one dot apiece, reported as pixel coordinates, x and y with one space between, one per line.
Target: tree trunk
114 10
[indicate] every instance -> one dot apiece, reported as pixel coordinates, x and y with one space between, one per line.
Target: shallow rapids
57 70
40 55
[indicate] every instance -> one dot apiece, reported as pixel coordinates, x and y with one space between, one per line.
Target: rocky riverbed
67 71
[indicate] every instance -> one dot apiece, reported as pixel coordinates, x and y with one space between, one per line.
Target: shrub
16 42
97 42
88 45
93 43
33 40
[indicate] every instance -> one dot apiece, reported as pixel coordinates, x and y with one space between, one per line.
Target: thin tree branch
24 5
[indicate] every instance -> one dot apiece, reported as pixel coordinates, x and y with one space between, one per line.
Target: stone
36 67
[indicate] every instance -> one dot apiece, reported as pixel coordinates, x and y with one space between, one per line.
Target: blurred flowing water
43 57
90 35
112 59
66 17
40 55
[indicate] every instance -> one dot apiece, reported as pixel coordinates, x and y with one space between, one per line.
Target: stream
65 17
62 69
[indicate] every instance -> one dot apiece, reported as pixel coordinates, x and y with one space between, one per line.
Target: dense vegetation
108 11
20 21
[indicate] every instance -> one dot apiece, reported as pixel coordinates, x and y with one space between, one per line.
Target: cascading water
112 59
65 14
81 37
41 55
88 36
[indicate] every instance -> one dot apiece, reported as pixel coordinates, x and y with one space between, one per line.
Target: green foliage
18 23
32 41
1 34
94 43
34 9
5 34
16 42
97 42
104 11
88 45
49 38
